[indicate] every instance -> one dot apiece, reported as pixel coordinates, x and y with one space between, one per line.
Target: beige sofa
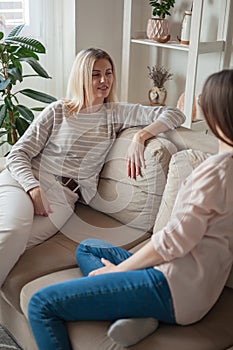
124 213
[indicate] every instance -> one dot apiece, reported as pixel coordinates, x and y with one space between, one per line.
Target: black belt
70 183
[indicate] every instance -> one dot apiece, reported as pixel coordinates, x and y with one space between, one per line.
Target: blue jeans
139 293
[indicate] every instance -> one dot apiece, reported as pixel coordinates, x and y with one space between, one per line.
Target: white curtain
53 23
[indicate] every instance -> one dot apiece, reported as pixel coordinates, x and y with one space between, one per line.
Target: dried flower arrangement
159 75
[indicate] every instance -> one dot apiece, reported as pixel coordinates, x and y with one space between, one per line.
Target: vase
157 96
186 25
157 28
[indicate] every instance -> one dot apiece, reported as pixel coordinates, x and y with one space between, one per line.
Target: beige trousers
19 227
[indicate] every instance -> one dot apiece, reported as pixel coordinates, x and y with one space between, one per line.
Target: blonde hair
79 88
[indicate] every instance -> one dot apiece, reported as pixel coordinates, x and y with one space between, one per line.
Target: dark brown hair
216 102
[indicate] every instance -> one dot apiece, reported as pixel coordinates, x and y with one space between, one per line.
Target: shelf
222 45
204 47
169 45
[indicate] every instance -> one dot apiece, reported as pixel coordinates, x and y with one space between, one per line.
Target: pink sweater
197 243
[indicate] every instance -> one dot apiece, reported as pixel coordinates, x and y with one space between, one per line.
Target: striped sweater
76 146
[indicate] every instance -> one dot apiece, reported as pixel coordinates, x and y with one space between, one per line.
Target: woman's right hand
135 156
40 202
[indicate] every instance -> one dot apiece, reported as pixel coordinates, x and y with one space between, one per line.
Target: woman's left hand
108 268
135 156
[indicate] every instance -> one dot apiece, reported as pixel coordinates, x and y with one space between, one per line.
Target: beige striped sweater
76 146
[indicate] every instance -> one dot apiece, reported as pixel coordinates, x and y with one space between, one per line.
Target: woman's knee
87 245
16 227
84 246
17 211
38 305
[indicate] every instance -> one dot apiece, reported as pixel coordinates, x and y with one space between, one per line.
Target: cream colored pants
19 227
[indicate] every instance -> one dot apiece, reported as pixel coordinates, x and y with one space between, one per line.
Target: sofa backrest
184 138
134 202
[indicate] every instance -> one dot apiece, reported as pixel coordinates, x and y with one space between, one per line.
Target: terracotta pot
157 96
157 28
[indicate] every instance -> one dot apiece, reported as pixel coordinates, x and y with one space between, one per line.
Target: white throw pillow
181 165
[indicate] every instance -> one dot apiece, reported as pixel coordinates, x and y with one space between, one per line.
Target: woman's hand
135 156
108 268
40 202
145 257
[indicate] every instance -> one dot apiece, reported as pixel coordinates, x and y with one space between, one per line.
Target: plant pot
157 96
157 28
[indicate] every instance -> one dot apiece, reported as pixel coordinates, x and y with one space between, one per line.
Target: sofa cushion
181 165
55 254
58 252
87 222
212 332
184 138
133 202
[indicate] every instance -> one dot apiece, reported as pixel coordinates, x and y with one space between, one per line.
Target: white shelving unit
222 45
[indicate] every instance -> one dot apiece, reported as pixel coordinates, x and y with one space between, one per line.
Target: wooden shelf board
204 47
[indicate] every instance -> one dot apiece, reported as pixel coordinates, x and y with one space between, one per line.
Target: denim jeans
139 293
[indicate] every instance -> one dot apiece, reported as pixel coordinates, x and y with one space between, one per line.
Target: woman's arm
154 119
130 115
143 258
135 154
200 198
28 147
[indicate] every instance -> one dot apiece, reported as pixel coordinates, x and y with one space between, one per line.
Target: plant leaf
21 125
3 111
4 84
16 74
36 66
25 112
17 64
15 31
27 43
30 75
37 95
9 103
12 48
1 35
22 52
37 109
3 132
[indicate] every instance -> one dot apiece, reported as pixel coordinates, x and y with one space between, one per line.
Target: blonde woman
61 154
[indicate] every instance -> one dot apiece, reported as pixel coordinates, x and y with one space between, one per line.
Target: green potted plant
158 93
15 51
158 26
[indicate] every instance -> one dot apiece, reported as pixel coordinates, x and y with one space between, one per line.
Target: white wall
174 60
99 24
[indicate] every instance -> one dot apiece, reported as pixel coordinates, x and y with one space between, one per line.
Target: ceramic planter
157 28
157 96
